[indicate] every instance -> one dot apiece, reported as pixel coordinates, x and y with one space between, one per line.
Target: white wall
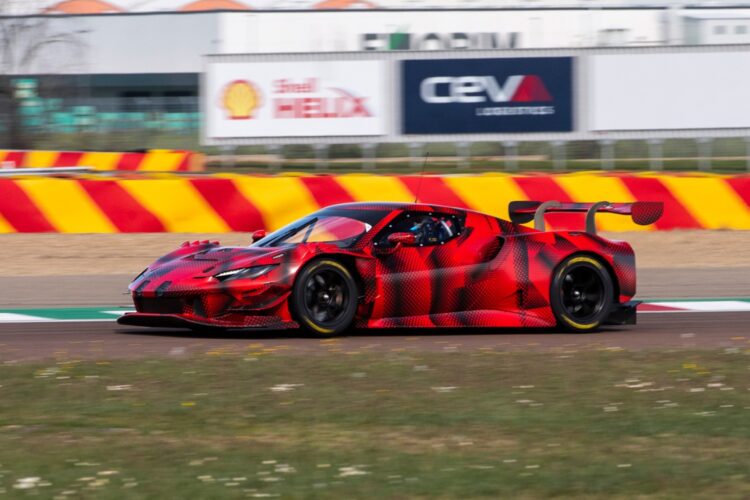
175 43
158 43
669 91
343 31
724 31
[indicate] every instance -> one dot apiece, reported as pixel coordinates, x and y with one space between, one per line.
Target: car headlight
244 272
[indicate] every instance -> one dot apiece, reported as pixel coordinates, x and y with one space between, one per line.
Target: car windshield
339 227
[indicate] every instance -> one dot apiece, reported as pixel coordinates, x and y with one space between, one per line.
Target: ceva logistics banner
459 96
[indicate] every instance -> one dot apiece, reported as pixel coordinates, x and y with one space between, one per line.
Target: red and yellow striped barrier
156 160
231 202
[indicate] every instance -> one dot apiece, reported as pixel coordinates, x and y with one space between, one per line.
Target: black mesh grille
159 305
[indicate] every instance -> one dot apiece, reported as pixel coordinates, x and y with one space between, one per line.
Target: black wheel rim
326 296
582 293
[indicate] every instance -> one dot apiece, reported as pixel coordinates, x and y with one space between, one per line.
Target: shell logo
240 100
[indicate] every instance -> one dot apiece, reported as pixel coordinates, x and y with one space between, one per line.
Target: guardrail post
275 153
415 154
704 153
368 156
511 155
321 156
607 151
655 154
227 153
558 155
464 154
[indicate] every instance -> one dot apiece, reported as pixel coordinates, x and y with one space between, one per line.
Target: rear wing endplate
643 213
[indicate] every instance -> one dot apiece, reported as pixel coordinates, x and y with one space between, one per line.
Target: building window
740 29
720 29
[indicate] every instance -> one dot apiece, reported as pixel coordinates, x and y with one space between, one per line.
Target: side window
428 228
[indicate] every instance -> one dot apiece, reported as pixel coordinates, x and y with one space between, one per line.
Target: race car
384 265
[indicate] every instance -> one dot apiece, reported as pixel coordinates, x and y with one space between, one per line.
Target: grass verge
396 425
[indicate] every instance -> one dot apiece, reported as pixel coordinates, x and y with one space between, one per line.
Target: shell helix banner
455 96
296 99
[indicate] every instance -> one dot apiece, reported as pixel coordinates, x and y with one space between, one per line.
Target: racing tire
581 294
324 298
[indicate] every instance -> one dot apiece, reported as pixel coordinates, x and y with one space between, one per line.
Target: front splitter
177 321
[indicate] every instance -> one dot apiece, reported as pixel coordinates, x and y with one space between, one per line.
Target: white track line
20 318
704 306
25 318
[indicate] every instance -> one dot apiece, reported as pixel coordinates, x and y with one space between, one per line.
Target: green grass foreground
389 425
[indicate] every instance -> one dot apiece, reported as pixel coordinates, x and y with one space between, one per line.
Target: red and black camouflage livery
493 273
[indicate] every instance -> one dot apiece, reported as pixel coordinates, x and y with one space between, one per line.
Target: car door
422 281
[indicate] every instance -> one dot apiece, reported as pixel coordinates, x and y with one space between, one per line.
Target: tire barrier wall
151 161
231 202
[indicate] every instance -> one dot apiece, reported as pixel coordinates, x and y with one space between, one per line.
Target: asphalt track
107 340
21 342
39 291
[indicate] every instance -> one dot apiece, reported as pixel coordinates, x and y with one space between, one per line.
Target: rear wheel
324 299
582 294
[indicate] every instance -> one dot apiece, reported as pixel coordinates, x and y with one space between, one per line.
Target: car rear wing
643 213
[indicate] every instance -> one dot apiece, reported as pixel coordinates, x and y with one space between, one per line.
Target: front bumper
623 314
259 307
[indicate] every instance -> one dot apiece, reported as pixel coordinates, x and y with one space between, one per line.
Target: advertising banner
296 99
669 91
455 96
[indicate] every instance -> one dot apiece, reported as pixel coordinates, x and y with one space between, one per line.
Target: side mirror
405 239
259 235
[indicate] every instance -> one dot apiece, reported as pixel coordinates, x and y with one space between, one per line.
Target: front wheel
581 294
324 299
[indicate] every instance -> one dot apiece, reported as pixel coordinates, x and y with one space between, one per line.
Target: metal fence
717 155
